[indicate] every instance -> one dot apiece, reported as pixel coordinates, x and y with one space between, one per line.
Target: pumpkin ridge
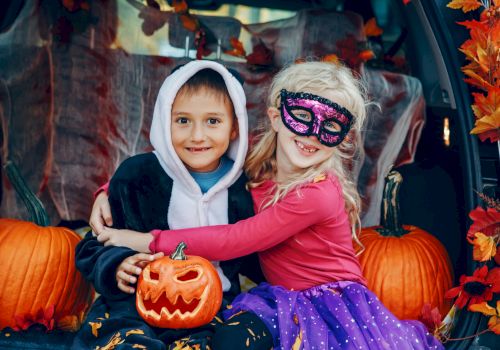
6 285
421 296
22 296
68 278
51 283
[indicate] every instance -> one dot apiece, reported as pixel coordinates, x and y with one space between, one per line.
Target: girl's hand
126 238
101 214
130 268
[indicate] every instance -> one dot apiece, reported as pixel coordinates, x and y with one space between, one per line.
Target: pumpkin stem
178 253
390 206
35 207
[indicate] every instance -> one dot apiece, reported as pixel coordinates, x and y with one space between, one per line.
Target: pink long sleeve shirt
304 240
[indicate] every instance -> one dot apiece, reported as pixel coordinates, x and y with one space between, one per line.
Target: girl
308 215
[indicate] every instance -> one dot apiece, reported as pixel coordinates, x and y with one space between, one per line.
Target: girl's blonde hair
316 78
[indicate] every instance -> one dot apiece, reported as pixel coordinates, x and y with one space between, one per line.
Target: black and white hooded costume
155 191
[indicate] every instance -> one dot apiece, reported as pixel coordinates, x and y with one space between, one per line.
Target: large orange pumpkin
180 291
405 266
38 267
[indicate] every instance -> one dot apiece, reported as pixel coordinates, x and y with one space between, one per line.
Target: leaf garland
482 71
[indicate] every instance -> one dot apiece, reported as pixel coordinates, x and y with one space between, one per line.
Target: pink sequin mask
307 114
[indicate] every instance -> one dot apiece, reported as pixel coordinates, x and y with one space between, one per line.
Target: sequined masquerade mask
307 114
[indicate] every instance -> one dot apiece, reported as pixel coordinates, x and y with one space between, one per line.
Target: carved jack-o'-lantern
179 291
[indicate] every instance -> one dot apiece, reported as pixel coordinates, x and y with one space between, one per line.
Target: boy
193 178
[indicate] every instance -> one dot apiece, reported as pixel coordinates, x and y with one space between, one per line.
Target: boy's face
202 128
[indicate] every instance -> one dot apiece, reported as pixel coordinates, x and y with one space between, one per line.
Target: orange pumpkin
405 266
38 267
179 291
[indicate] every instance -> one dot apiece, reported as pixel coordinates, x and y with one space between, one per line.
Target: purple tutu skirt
339 315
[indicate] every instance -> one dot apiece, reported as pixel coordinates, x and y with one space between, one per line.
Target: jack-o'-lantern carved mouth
165 307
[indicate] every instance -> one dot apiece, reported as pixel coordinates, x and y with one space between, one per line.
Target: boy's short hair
207 79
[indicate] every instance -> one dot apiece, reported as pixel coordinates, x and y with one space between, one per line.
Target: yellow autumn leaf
95 326
485 247
487 123
483 308
464 5
298 342
134 331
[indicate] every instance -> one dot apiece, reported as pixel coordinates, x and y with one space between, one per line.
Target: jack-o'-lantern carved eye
188 276
179 291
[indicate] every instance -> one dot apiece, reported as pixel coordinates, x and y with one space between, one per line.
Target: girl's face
296 153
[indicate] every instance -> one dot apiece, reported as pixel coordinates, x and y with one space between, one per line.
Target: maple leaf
485 221
485 247
260 56
430 317
487 105
490 123
464 5
487 310
179 6
371 28
237 48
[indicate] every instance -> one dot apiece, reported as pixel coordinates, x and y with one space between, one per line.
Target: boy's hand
101 214
130 268
126 238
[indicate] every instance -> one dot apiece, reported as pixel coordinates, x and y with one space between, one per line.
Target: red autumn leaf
464 5
260 56
492 135
371 28
485 221
179 6
430 317
237 48
190 22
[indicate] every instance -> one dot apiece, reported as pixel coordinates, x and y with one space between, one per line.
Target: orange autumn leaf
237 48
371 28
476 79
95 326
485 247
464 5
330 58
179 6
487 105
366 55
487 310
486 124
189 22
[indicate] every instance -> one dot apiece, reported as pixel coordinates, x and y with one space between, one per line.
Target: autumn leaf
371 28
189 22
489 123
464 5
179 6
331 58
487 310
485 247
260 56
430 317
485 221
237 48
487 105
366 55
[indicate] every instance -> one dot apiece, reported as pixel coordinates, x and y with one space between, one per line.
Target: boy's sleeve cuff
154 246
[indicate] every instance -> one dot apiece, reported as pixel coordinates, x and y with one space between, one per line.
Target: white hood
189 207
